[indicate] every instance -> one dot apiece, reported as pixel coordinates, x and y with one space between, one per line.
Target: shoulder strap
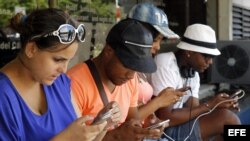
98 81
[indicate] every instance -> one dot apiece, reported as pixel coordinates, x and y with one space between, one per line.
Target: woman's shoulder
4 82
7 90
164 56
165 59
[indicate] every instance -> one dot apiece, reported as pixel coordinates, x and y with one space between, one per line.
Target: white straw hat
199 38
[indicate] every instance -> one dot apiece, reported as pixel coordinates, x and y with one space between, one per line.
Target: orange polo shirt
87 95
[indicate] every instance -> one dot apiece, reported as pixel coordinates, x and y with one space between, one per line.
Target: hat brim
144 64
200 49
166 32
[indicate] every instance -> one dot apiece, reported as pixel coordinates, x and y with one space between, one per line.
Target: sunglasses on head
66 33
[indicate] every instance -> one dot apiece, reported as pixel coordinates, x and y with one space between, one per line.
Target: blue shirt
19 123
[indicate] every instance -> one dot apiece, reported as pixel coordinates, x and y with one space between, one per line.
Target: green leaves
99 8
7 8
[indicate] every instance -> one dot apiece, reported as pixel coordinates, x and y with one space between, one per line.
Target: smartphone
183 89
235 94
102 118
159 124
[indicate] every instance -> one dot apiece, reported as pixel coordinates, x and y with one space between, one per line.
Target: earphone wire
191 105
186 84
206 113
190 110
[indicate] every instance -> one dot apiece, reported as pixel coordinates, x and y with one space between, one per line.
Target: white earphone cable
206 113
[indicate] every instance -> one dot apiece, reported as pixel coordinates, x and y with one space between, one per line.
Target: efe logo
240 132
236 132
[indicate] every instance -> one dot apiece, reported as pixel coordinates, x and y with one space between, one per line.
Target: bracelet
207 106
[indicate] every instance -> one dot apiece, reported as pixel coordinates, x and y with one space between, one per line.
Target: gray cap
147 12
132 43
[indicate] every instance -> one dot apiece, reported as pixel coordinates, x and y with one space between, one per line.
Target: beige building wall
242 3
83 53
225 17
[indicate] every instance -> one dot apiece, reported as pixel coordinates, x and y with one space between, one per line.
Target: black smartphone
159 124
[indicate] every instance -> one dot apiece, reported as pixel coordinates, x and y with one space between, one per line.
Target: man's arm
166 97
182 115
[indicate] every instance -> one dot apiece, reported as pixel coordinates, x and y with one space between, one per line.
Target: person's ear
187 53
30 49
108 50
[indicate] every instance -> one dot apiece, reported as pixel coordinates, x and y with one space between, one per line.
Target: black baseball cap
132 43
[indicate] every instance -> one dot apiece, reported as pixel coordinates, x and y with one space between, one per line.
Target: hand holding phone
103 117
160 124
237 93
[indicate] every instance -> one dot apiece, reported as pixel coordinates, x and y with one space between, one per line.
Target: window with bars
241 23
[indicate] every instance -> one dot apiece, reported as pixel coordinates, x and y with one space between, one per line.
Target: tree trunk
52 3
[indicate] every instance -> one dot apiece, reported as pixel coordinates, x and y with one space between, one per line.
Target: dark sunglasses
66 33
207 56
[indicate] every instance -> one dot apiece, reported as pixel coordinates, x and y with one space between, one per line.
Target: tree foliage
102 8
7 8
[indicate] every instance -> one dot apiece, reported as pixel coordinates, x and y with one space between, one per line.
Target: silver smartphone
159 124
103 117
235 94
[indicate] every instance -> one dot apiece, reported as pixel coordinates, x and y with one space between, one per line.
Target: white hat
199 38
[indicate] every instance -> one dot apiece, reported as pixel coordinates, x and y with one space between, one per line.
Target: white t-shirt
168 75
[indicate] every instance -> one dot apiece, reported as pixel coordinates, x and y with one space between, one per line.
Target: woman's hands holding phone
80 131
169 96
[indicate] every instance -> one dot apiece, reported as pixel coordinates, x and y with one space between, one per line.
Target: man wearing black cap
127 50
190 119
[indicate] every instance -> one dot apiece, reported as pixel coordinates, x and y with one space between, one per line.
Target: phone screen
102 118
159 124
